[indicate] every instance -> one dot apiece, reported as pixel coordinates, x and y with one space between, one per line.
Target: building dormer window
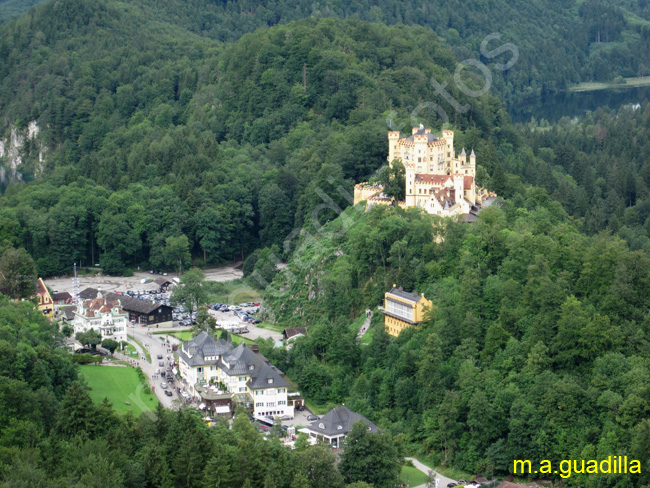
251 367
321 426
269 381
340 427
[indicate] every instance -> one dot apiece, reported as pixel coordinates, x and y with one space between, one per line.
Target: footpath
443 481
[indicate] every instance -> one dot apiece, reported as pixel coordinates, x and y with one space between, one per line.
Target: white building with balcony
106 317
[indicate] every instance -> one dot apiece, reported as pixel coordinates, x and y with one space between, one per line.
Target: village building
438 180
292 333
403 309
336 424
145 312
45 302
103 315
62 298
240 372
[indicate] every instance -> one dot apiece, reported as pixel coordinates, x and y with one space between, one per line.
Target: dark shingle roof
238 361
422 132
261 376
69 312
411 296
290 332
202 346
88 293
130 304
64 295
339 421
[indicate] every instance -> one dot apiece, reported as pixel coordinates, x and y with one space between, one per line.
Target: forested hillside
536 347
560 43
169 135
52 435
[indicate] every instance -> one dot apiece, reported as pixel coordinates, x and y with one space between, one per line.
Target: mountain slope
536 347
239 136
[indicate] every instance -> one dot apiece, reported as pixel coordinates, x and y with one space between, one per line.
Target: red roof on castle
467 183
431 179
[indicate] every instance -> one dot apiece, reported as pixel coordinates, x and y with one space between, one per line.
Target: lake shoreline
588 86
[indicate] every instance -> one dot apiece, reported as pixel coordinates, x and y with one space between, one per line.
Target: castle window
431 167
419 160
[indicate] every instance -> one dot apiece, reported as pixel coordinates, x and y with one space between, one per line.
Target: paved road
155 346
443 481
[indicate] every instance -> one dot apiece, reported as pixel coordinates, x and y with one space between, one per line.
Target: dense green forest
560 43
168 137
536 348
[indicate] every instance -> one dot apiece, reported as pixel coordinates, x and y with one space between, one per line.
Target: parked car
160 356
161 364
286 417
157 371
163 385
312 418
168 393
257 304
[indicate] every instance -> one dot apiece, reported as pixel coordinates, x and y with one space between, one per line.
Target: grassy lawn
131 351
273 327
232 292
448 471
146 353
120 385
629 82
185 335
238 340
411 476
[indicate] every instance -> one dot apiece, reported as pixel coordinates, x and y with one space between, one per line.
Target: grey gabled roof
203 345
422 132
261 376
237 361
130 304
339 421
63 295
399 292
88 293
69 312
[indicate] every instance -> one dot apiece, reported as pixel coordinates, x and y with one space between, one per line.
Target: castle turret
393 138
463 156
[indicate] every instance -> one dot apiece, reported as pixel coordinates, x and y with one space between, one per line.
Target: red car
257 304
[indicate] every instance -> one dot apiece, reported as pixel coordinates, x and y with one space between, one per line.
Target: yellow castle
437 180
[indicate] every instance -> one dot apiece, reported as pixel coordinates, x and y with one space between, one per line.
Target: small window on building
269 381
321 426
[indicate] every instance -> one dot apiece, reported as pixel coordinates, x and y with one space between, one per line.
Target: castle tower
472 162
393 138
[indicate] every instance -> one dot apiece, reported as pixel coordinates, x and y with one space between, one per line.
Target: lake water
554 106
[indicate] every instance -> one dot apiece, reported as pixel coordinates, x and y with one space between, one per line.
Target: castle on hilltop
437 180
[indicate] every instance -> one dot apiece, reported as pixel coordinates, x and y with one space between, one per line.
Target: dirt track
123 283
